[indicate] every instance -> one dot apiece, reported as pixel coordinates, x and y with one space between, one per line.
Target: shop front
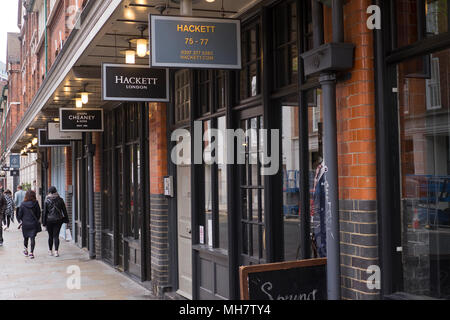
415 104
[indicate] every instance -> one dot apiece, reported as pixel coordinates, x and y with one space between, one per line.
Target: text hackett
135 80
195 28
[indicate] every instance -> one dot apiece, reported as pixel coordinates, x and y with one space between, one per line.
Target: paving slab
47 277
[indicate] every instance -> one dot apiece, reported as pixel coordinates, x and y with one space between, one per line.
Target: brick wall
357 155
159 217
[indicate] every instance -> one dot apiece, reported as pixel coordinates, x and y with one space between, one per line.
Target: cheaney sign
84 119
123 82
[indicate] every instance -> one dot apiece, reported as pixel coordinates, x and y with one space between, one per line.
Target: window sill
407 296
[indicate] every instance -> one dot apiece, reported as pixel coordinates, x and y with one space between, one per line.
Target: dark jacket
29 215
3 204
54 200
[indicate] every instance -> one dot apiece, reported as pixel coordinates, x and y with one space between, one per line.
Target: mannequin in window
319 227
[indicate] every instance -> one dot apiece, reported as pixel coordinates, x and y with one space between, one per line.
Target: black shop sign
123 82
81 119
299 280
44 142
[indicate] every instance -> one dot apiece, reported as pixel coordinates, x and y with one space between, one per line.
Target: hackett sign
83 120
187 42
123 82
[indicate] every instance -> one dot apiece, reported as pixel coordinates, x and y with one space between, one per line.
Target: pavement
56 278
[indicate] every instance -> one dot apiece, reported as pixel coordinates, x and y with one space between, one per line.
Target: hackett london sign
187 42
83 119
123 82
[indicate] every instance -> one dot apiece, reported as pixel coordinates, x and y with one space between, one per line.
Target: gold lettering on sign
195 28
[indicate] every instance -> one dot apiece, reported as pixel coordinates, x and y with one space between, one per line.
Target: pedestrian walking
2 213
54 215
18 198
9 212
28 217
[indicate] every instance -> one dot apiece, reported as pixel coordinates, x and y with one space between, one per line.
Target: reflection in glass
424 112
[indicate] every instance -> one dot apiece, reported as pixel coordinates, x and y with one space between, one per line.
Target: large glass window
419 19
291 177
424 112
285 44
250 77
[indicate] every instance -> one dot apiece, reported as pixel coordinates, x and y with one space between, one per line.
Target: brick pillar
158 203
357 156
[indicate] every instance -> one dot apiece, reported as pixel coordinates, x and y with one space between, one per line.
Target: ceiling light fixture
141 43
130 54
84 95
78 103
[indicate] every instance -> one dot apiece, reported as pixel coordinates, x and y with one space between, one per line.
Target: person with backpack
3 205
28 217
54 215
9 212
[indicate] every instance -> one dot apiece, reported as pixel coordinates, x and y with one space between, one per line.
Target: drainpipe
328 83
46 37
90 150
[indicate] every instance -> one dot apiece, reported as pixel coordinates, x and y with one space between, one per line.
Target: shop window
253 228
285 44
418 19
215 185
425 179
182 96
291 177
205 91
251 61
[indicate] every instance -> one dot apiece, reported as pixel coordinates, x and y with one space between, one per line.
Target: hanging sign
124 82
54 133
44 142
299 280
187 42
81 119
14 161
15 173
5 169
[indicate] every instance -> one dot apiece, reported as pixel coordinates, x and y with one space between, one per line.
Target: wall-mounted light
35 141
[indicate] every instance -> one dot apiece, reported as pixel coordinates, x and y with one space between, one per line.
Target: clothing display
318 220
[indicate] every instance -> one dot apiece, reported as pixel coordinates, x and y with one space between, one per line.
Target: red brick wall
68 154
356 107
158 147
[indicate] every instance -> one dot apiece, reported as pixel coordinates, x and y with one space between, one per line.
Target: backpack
54 213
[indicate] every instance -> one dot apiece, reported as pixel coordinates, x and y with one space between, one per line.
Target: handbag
68 235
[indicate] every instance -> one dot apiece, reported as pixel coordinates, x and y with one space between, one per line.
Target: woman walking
54 215
9 212
29 215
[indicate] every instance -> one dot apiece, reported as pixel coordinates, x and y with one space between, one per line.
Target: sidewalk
45 277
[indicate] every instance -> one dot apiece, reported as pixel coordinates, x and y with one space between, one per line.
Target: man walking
2 213
18 198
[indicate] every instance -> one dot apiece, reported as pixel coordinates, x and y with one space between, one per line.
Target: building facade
392 144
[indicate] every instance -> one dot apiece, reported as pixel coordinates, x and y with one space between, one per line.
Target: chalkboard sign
300 280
